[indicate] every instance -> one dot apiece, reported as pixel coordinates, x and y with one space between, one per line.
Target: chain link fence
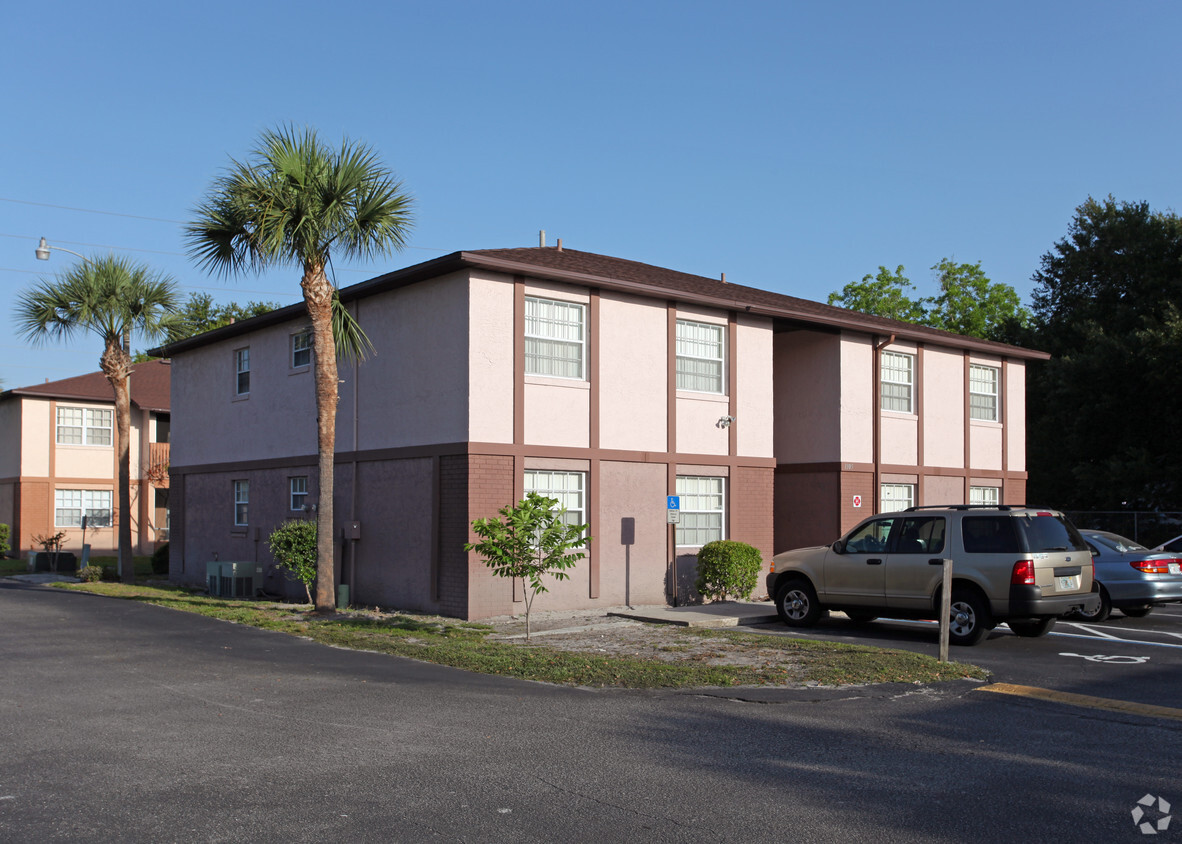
1148 527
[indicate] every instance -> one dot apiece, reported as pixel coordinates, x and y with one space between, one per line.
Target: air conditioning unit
233 580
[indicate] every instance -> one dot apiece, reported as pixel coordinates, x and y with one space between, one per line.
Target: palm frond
351 341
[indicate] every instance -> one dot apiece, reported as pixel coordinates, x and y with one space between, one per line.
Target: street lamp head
42 250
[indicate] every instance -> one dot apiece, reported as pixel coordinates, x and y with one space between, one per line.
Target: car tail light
1023 573
1152 566
773 567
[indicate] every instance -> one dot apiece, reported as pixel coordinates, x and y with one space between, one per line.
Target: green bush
160 560
293 545
111 574
726 568
4 536
91 574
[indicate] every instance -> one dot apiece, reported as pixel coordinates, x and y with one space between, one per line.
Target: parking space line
1086 701
1113 640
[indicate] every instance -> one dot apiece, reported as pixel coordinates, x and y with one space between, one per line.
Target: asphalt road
127 722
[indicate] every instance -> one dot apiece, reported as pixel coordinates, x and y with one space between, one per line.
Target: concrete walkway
43 577
725 614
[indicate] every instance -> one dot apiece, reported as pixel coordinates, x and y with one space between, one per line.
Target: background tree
113 298
885 295
200 314
530 541
1102 430
297 201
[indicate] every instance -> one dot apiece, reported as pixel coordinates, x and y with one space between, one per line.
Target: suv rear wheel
970 621
796 602
1103 610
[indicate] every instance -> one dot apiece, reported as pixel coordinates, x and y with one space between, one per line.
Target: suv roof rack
966 507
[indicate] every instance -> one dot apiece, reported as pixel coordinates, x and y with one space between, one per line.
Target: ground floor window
241 502
298 488
986 495
703 510
70 505
569 488
896 497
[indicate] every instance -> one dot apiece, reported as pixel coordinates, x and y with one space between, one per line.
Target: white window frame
984 393
297 488
241 503
242 371
897 376
70 505
695 353
542 330
698 522
988 496
95 426
301 344
568 488
895 496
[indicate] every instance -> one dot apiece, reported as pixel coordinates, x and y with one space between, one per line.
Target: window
870 538
989 535
84 426
986 495
553 338
72 504
567 487
896 497
896 381
701 354
983 392
301 349
241 501
703 514
299 492
242 370
920 535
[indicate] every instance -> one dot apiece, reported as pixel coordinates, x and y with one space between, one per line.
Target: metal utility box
233 580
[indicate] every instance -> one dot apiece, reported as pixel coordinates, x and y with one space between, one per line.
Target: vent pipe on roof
724 278
542 238
560 244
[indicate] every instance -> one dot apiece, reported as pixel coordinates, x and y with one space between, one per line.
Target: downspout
353 485
876 446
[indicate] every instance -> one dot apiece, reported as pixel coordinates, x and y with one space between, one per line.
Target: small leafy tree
293 545
4 537
727 567
52 543
529 541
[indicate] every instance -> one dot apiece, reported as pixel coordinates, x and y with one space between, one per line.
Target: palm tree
297 201
111 297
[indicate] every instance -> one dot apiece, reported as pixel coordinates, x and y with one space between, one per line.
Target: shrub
293 545
91 574
4 535
111 574
726 568
160 560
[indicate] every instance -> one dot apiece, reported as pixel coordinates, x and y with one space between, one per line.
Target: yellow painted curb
1087 701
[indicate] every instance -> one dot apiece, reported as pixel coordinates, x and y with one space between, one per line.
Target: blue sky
794 146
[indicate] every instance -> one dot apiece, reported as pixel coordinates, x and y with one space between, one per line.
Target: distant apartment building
604 383
59 461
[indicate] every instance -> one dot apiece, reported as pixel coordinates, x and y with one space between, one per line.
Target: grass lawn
466 645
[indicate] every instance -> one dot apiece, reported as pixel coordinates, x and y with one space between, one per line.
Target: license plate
1175 568
1068 584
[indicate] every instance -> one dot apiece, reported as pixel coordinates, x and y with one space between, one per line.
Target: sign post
945 609
673 518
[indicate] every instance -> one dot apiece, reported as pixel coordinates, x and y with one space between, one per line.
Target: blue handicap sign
674 502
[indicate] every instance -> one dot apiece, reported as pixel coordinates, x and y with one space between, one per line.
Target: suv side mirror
839 546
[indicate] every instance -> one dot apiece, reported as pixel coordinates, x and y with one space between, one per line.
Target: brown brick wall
453 533
490 487
855 483
752 516
35 515
1014 492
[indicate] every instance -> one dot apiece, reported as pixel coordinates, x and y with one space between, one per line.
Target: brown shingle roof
149 387
602 271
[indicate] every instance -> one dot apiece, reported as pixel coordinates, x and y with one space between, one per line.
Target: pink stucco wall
858 403
755 425
633 350
943 408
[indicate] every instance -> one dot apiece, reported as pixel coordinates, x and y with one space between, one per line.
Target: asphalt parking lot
1129 659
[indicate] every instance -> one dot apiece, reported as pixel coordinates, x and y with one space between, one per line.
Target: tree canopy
967 303
1102 412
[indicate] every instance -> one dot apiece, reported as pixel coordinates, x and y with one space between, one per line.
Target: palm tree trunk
318 298
115 364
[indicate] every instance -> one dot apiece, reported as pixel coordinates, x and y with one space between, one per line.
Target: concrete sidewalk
725 614
43 577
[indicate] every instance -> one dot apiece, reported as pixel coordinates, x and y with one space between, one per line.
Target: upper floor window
242 371
70 505
301 349
983 392
986 495
896 497
554 338
568 488
84 426
897 381
701 357
241 502
298 488
703 510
